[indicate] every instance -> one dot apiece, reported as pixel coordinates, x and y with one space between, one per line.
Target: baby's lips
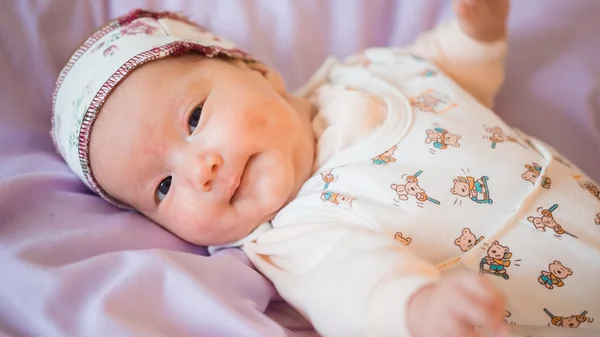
233 187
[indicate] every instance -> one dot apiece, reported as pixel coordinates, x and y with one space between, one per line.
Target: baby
356 196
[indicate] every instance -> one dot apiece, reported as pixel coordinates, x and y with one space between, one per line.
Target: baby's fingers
484 304
472 319
481 289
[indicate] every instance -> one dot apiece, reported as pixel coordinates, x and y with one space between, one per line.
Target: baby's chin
267 201
238 223
231 225
222 234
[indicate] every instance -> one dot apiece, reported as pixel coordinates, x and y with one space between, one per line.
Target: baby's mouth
236 187
240 179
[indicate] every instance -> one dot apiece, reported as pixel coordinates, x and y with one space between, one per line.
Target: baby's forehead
154 73
167 75
152 86
141 107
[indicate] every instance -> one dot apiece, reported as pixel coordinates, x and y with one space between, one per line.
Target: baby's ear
270 74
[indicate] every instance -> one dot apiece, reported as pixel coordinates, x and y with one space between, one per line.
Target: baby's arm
472 48
347 280
350 281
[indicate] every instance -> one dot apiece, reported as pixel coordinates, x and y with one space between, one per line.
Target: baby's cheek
274 179
189 213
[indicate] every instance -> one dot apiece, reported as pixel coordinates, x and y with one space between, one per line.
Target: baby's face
208 149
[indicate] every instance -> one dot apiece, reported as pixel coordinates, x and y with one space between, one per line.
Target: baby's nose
204 169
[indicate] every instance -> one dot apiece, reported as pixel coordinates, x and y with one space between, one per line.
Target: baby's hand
454 306
482 20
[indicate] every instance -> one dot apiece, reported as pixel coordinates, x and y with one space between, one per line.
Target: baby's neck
305 109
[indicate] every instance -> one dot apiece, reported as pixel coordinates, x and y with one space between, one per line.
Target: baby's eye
163 188
194 119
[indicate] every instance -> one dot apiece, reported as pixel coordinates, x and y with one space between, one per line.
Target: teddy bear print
412 188
475 189
336 198
592 188
597 220
533 173
555 275
498 136
547 220
506 315
403 240
431 101
497 259
467 240
386 157
441 138
571 322
327 177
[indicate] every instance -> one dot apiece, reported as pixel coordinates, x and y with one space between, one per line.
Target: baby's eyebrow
183 101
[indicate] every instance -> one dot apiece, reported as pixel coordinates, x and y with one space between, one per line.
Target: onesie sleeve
346 279
477 66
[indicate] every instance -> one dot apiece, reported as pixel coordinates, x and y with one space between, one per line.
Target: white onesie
414 175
